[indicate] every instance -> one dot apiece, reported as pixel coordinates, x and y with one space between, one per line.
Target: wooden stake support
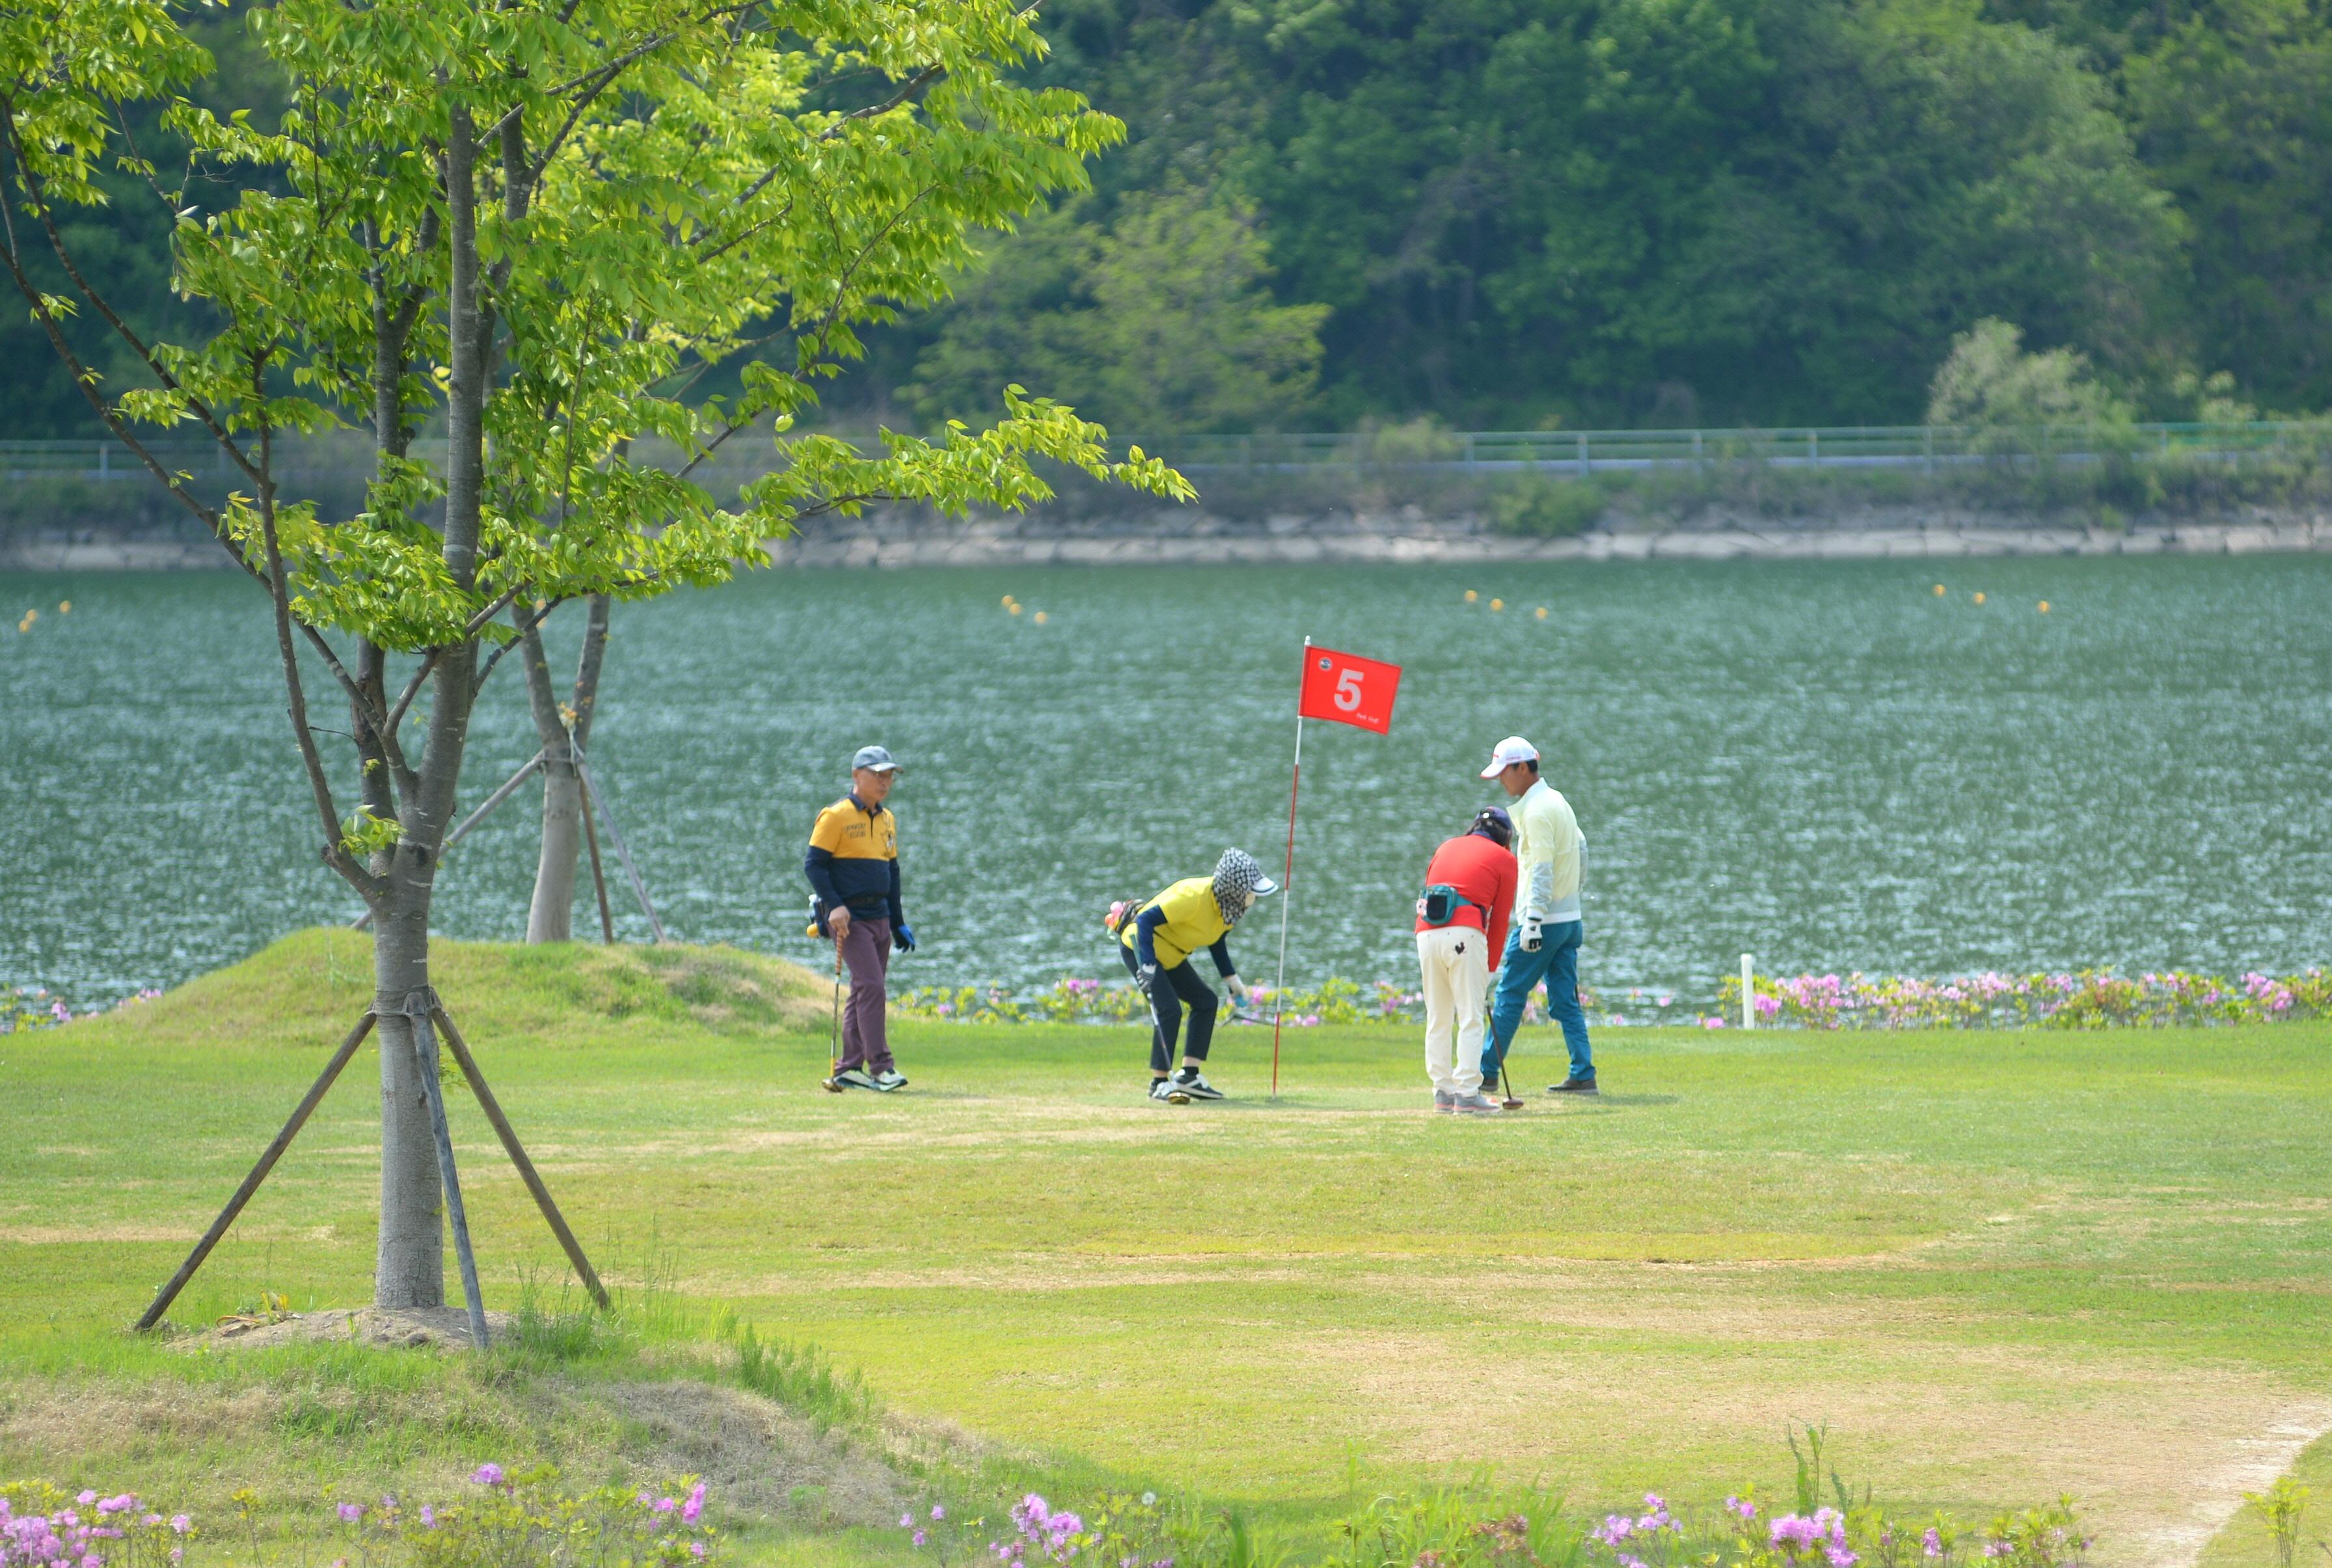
616 837
315 1096
430 1010
598 874
424 1049
517 1153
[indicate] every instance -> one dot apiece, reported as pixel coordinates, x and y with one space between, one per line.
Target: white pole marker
1748 992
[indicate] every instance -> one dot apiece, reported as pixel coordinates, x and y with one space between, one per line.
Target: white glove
1145 976
1531 938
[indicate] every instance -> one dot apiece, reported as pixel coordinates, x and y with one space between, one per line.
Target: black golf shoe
1573 1087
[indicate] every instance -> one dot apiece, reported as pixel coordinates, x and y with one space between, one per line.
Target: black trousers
1172 989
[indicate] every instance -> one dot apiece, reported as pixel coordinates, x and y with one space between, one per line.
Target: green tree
525 223
2233 112
1162 321
1990 383
1763 210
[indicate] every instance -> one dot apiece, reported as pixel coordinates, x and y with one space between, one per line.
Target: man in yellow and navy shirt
853 866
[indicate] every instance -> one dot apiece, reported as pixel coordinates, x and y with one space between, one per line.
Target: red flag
1349 689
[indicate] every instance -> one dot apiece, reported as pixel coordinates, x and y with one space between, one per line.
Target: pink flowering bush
500 1520
1855 1535
1125 1532
2081 1000
33 1008
42 1527
1074 1000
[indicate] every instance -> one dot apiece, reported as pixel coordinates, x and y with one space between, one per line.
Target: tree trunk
410 1268
551 916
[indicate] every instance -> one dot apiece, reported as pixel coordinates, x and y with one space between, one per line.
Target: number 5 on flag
1349 689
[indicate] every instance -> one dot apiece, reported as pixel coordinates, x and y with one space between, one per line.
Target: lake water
1825 764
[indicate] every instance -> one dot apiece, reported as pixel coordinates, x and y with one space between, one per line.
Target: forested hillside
1541 212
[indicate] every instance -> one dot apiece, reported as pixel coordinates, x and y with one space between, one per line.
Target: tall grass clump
804 1379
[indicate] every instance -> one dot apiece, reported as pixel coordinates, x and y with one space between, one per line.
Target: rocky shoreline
1408 536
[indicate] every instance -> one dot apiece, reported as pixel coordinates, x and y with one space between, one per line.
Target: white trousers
1457 963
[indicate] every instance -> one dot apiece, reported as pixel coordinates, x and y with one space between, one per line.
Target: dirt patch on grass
2157 1453
759 1458
383 1328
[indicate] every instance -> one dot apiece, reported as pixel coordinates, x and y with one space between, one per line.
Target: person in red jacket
1461 930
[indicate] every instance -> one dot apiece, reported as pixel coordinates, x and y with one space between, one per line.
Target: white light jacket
1551 854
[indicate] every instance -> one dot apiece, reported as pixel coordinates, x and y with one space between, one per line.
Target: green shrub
1540 508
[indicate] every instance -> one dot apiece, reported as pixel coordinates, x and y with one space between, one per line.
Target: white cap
1513 749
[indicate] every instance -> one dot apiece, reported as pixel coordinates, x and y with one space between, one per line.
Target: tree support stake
418 1008
593 793
423 1008
517 1153
324 1081
598 872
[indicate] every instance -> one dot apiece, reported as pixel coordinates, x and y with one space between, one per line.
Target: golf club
1509 1103
830 1082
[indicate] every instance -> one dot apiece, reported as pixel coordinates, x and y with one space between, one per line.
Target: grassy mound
309 987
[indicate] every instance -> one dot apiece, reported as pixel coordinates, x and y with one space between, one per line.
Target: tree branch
279 593
524 627
39 209
913 85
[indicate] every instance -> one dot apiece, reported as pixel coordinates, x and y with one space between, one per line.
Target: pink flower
1932 1542
694 1507
351 1511
938 1513
488 1474
921 1537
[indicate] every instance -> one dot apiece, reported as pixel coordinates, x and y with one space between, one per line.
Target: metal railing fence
1831 446
1551 452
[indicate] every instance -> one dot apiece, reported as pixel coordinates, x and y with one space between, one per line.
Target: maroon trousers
867 953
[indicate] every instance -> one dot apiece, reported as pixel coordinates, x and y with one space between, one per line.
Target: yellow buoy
26 624
1497 604
1939 590
1008 601
1979 598
1040 617
1013 609
1471 595
65 606
2044 607
1542 612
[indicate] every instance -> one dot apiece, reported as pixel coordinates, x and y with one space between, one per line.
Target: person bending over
1461 925
852 865
1156 940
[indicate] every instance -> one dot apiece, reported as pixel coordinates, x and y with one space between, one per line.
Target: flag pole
1287 875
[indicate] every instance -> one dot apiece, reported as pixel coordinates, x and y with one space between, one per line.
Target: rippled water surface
1822 763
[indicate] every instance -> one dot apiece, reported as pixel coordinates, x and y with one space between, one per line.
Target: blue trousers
1555 963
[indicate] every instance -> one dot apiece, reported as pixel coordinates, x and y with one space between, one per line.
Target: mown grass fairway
1997 1265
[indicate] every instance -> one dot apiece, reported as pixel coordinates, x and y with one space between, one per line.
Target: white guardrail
1552 452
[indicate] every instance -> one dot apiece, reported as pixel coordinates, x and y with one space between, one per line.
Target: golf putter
834 1029
1506 1083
